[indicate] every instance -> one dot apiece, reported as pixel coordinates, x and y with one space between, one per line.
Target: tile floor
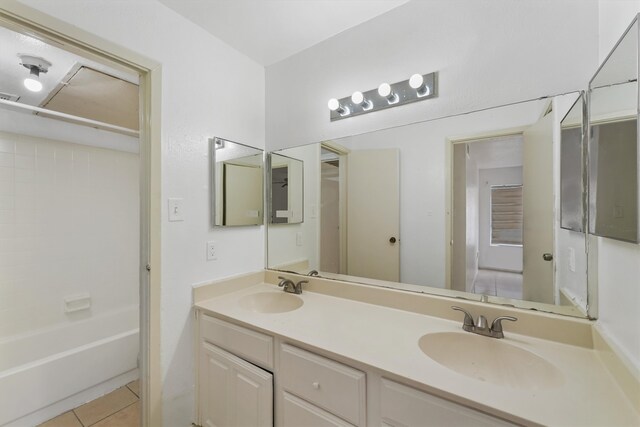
120 408
498 283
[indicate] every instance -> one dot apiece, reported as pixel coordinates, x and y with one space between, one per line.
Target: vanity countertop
386 339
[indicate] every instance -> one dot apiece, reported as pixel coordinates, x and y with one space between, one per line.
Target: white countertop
386 339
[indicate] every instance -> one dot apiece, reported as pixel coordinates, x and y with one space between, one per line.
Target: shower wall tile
69 224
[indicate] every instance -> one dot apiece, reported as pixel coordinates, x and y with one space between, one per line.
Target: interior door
373 214
537 180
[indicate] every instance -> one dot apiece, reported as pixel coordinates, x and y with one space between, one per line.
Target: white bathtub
46 372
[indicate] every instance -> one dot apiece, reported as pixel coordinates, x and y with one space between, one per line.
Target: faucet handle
283 280
496 325
468 319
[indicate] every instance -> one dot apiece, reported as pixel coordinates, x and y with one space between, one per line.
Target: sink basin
491 360
271 302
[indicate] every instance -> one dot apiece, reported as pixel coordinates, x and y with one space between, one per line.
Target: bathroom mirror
237 183
286 189
613 144
572 168
465 206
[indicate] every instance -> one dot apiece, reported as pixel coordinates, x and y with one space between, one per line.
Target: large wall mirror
467 206
237 180
613 143
286 189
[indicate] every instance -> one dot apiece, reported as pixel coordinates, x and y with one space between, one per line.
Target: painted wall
69 225
618 262
222 96
487 53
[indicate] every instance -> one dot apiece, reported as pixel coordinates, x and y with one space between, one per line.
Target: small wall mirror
286 183
572 168
237 183
613 143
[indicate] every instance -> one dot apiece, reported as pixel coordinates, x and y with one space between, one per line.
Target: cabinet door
404 406
232 391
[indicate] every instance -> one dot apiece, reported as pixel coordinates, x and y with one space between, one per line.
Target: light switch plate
176 210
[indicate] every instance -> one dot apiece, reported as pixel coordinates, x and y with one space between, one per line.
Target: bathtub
50 371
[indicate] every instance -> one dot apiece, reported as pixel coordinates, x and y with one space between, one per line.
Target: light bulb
32 84
384 90
358 99
334 105
417 82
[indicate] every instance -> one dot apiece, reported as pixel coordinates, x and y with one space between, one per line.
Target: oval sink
271 302
491 360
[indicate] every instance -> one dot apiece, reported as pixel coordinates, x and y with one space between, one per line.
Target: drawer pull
316 385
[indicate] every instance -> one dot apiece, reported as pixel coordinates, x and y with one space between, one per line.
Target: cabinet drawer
332 386
297 412
405 406
249 345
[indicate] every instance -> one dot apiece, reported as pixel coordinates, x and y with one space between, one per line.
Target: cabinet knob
316 385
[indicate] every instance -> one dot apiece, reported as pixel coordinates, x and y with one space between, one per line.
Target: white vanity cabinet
249 378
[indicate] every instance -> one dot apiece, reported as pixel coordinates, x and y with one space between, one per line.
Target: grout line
117 412
76 415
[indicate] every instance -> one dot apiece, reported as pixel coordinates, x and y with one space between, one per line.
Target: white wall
69 225
498 257
487 53
222 96
618 262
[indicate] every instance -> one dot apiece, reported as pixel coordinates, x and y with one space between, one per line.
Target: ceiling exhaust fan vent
9 97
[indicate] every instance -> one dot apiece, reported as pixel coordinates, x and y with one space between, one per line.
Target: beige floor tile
109 404
68 419
128 417
134 386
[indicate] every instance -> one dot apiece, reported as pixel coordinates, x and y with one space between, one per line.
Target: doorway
30 24
488 216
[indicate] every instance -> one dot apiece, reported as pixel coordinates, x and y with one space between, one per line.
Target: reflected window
506 215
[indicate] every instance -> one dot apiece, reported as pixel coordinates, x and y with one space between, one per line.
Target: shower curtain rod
80 120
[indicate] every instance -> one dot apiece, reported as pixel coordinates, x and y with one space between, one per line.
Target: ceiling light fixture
35 65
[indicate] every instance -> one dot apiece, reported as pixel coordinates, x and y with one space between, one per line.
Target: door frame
26 20
343 153
449 183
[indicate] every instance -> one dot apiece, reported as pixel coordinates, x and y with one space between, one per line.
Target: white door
242 194
537 199
373 214
233 392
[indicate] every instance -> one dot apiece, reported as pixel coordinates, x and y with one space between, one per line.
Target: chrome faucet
481 326
287 285
313 273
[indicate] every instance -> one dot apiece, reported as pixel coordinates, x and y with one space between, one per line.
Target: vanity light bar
417 88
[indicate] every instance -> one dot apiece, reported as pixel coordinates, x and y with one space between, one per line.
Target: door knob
547 257
392 240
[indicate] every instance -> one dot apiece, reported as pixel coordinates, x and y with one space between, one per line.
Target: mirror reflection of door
242 194
279 194
488 217
330 250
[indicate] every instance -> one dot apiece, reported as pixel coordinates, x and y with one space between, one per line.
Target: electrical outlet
211 251
572 260
299 238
